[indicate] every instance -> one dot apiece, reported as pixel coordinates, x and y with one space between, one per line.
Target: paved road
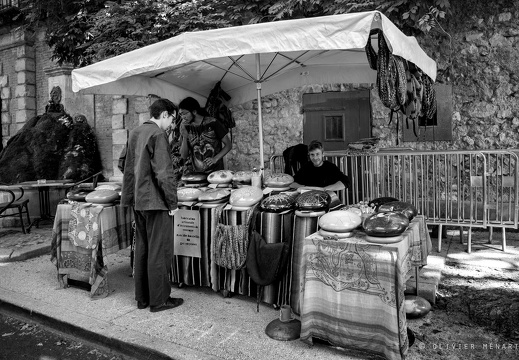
28 340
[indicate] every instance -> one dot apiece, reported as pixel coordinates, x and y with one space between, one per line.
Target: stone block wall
480 60
17 81
42 61
127 113
283 123
7 80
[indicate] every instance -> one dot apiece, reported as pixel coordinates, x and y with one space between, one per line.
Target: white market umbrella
252 60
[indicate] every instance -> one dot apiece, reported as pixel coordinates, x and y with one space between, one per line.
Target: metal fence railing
8 3
457 188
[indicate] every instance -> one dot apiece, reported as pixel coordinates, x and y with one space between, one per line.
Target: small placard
186 233
228 207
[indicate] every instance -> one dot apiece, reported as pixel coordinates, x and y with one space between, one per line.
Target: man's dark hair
315 145
161 105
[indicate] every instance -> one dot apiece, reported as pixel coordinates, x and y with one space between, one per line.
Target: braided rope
370 52
429 98
386 75
401 81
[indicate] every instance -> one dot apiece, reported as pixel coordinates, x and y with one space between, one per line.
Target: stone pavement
207 326
17 246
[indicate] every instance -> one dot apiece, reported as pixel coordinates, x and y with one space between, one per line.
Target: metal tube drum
275 228
304 225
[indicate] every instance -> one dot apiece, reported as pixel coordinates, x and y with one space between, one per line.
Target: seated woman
205 141
318 173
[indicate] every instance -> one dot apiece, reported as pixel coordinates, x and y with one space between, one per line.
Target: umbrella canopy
252 60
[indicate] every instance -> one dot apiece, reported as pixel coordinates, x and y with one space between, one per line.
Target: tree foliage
81 32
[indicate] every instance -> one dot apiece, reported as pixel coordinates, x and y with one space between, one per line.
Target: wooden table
82 237
353 290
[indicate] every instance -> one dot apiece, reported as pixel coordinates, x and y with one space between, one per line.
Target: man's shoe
169 304
142 305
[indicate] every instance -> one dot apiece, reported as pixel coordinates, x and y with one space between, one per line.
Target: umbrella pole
260 116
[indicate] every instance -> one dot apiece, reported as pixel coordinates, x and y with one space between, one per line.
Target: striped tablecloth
353 290
83 236
204 272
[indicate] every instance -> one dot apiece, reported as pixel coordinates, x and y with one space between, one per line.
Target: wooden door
336 118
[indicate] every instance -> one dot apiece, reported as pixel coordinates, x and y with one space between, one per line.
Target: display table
353 290
82 237
203 271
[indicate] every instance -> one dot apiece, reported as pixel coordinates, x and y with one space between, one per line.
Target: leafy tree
66 23
85 31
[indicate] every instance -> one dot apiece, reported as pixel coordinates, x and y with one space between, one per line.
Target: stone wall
42 61
283 123
17 81
481 62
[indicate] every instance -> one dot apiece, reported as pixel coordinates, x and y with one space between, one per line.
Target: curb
121 347
132 344
10 255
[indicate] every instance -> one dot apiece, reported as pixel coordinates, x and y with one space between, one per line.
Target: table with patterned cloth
353 290
82 236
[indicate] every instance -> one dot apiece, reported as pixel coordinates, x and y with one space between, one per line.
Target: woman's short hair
191 104
314 144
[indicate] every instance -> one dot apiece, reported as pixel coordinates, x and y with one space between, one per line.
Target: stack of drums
311 205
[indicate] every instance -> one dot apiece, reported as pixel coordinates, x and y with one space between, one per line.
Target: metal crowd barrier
465 188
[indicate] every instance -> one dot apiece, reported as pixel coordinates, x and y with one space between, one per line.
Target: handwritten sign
187 233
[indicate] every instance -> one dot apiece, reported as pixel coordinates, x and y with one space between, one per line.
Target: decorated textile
205 141
89 264
83 225
353 290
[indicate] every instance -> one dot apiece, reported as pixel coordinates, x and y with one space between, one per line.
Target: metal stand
44 199
416 306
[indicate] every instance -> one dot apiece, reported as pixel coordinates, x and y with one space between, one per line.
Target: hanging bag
231 242
266 262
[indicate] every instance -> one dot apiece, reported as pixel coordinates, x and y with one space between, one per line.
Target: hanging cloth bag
231 242
266 262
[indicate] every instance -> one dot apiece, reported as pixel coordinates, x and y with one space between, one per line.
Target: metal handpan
416 306
284 331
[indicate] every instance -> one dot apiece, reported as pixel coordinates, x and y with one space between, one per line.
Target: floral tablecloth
82 236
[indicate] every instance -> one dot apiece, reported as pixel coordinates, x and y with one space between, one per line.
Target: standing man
319 173
149 186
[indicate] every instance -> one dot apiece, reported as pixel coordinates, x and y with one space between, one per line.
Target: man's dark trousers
153 256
